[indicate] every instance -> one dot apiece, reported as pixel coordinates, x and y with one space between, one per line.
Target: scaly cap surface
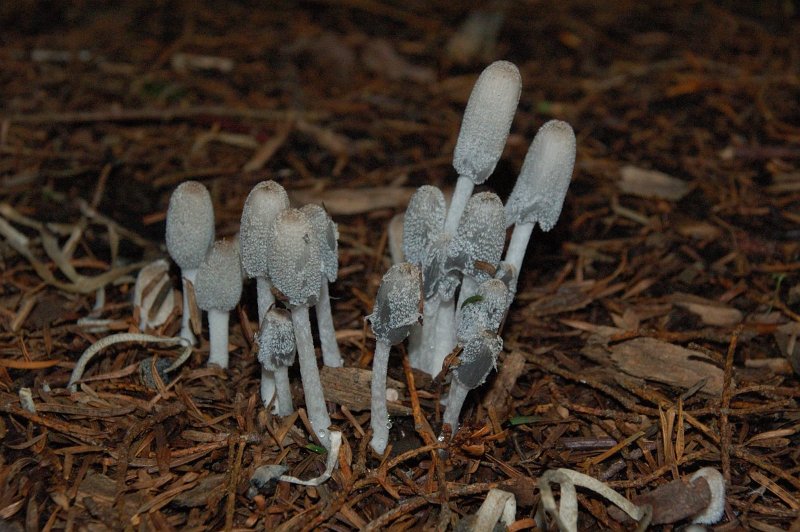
423 223
328 237
218 285
276 345
293 261
480 236
538 195
487 121
397 304
190 224
265 201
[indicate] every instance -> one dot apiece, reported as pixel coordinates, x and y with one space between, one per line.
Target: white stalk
218 337
455 400
312 385
427 342
268 389
379 414
327 333
444 336
186 327
264 296
462 193
516 249
284 399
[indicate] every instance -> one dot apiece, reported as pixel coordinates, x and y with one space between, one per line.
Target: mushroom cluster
450 297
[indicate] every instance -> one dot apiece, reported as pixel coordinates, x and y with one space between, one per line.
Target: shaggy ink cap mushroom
295 268
276 352
266 200
478 357
423 223
484 131
538 195
396 310
189 235
327 236
218 288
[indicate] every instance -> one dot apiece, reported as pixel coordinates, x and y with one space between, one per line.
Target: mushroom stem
379 414
444 336
327 333
281 383
312 385
422 351
516 249
268 389
218 337
455 400
186 328
462 193
264 296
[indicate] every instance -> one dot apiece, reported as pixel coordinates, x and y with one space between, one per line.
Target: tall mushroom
484 131
541 187
296 270
276 350
396 310
327 237
261 207
190 232
218 288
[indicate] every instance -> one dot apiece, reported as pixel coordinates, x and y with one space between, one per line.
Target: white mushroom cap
397 304
477 359
538 195
487 121
328 237
276 345
423 223
218 285
480 236
294 262
262 206
190 224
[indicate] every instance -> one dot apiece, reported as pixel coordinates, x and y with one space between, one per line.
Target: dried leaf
651 184
709 311
153 294
663 362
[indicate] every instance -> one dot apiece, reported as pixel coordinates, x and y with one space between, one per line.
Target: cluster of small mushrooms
448 293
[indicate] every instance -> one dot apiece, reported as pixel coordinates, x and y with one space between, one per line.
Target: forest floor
654 330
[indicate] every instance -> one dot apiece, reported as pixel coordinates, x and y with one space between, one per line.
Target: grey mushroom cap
397 304
423 223
487 121
437 275
541 187
328 237
477 359
293 261
276 344
218 285
480 237
484 311
190 224
265 201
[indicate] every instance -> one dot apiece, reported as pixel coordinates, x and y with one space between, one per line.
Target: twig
725 403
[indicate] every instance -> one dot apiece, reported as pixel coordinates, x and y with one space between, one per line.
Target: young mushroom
261 207
276 351
395 312
218 288
484 131
716 485
474 251
327 237
423 225
295 267
478 357
484 311
539 192
190 232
